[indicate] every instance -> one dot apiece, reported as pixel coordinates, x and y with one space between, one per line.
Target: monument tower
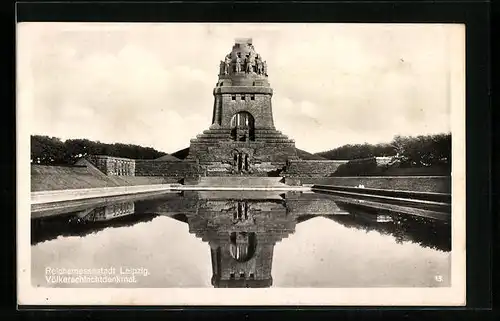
242 139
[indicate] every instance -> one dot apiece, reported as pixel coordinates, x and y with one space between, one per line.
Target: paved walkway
90 193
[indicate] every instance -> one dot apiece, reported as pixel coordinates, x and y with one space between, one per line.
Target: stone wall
166 168
373 166
112 211
435 184
384 166
255 100
267 168
259 108
364 167
216 169
113 166
312 168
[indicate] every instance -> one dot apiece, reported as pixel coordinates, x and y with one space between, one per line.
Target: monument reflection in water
242 228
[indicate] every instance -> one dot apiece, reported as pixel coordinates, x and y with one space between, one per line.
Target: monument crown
247 41
243 60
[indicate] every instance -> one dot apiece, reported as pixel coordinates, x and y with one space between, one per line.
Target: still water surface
170 237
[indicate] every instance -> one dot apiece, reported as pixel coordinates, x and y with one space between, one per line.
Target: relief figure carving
249 63
258 63
238 64
227 63
222 68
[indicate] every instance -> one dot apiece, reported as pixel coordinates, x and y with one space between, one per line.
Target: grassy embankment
45 178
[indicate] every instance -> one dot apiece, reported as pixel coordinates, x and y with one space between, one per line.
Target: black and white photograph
241 163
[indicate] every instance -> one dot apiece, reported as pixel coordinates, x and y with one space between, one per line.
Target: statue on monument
258 62
250 62
264 68
227 63
238 64
222 68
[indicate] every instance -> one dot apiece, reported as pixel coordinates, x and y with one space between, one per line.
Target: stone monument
242 139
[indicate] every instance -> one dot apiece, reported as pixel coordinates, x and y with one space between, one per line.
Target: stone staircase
224 134
211 135
231 181
272 136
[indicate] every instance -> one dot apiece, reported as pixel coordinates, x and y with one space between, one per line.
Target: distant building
113 166
113 211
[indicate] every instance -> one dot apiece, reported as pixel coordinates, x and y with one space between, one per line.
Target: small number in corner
439 278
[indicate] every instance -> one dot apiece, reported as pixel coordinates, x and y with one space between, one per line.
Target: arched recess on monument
243 127
242 246
241 161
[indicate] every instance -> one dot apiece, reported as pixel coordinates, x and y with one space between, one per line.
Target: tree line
47 150
408 151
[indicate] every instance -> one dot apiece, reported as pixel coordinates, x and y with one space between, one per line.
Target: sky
151 84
